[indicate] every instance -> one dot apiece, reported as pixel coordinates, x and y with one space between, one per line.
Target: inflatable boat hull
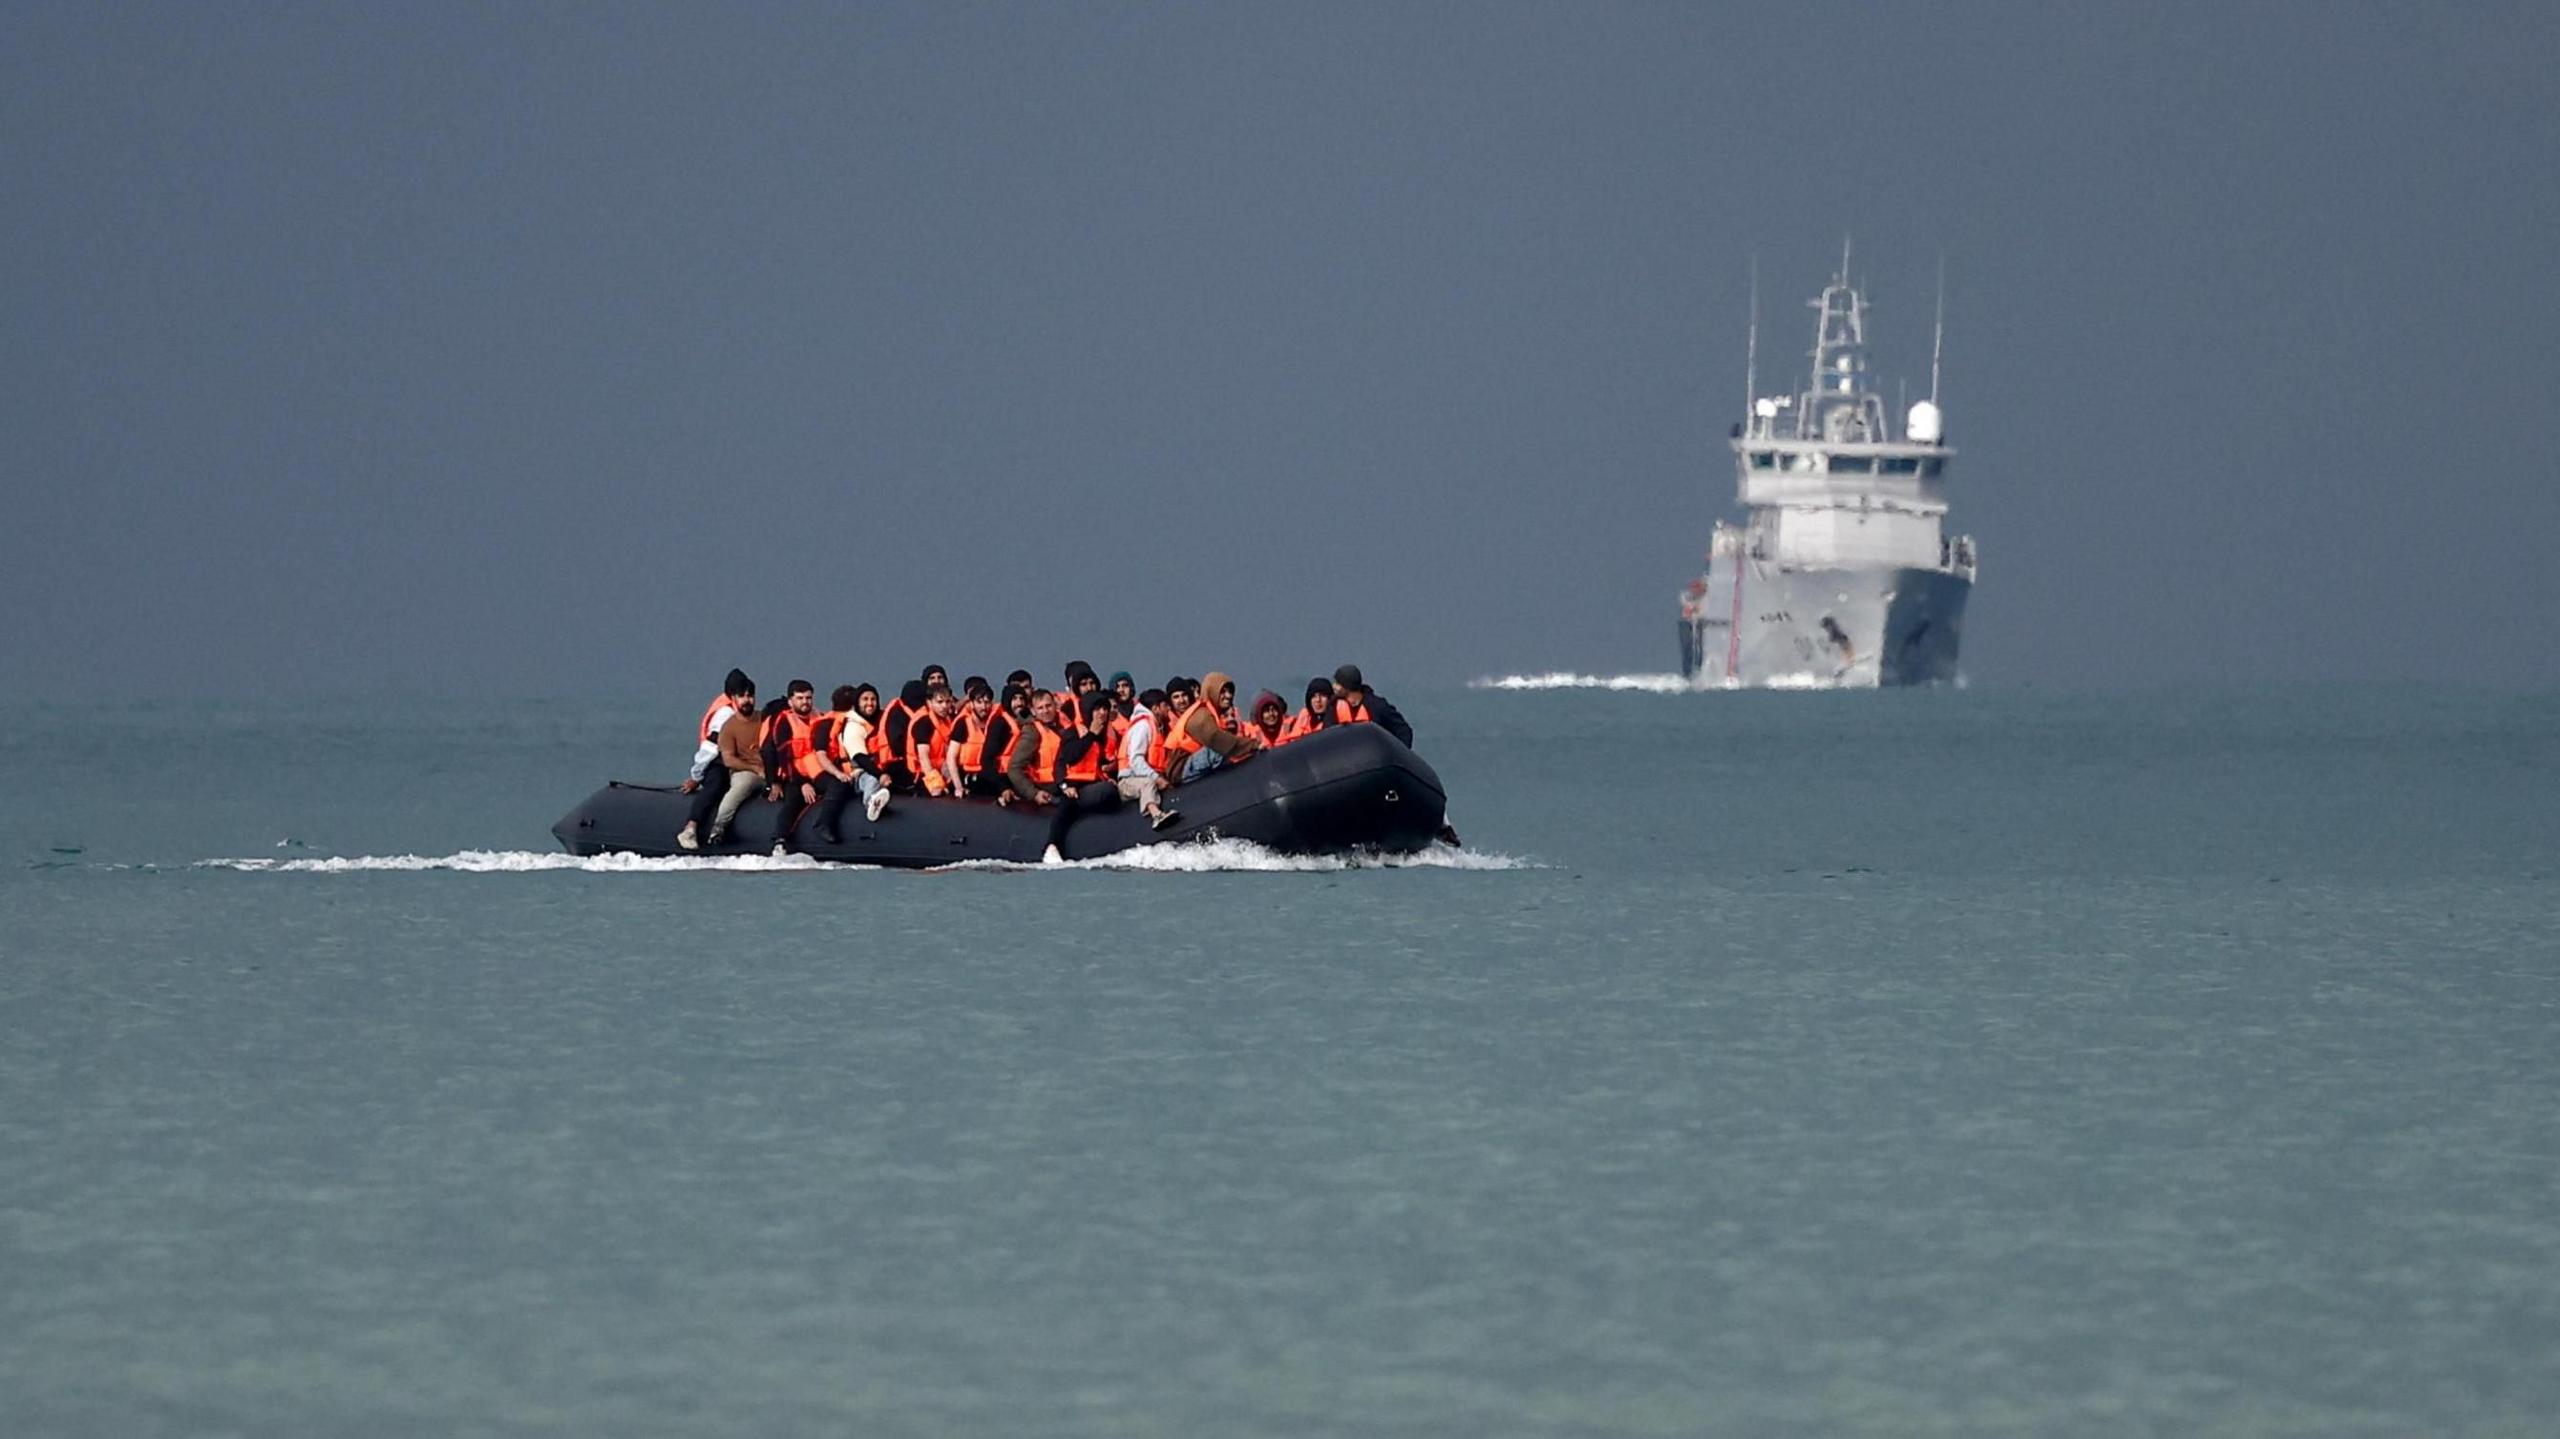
1344 789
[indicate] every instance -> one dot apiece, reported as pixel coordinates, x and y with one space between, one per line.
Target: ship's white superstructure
1843 573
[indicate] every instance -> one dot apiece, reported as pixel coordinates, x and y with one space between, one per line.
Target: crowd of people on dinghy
1088 746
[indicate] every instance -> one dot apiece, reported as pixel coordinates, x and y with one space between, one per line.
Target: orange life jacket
971 740
1087 768
1305 723
880 754
1349 711
710 732
1179 746
1155 746
928 741
1269 738
1114 736
799 735
1070 711
1044 766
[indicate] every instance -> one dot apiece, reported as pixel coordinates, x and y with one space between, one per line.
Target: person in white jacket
1139 782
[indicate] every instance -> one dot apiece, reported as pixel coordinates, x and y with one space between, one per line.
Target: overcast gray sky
573 348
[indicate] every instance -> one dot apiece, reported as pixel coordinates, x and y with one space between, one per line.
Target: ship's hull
1759 624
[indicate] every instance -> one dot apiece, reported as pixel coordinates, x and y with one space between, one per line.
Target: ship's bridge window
1899 465
1795 462
1851 464
1930 467
1762 460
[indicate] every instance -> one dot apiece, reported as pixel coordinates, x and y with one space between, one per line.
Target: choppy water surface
1955 1063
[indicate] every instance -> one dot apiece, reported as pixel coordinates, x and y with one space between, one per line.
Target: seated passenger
1178 695
708 780
1318 713
1061 771
790 748
1080 681
889 736
1124 692
1139 751
929 741
1270 717
975 763
742 759
1354 701
844 766
1206 737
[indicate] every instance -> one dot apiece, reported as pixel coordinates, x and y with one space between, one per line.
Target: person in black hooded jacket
1353 700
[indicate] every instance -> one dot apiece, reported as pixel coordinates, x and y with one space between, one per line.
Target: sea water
1962 1062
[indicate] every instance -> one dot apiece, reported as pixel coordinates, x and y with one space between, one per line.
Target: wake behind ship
1842 576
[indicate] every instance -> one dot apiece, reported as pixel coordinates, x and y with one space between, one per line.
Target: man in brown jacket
1205 737
742 755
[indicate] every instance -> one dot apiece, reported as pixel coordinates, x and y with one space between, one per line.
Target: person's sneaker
685 839
1051 856
780 849
876 805
1164 817
716 838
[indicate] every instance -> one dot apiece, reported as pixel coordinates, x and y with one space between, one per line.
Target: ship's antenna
1751 348
1844 257
1938 340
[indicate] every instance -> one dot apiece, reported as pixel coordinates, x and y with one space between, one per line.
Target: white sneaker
685 839
1051 856
876 805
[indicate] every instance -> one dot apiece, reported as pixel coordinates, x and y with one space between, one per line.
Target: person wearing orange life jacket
1315 715
1270 718
929 737
708 780
839 763
790 738
1208 736
1354 702
889 736
1081 690
1061 771
975 763
1178 694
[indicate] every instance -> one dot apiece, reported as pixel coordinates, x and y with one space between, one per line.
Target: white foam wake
518 861
1663 684
1225 856
1207 857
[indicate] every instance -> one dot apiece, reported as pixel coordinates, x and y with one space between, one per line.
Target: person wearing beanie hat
1317 713
1354 701
1270 717
708 780
1124 691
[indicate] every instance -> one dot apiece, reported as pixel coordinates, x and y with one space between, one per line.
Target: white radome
1925 424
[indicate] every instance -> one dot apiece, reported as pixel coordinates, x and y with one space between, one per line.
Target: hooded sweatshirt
1208 731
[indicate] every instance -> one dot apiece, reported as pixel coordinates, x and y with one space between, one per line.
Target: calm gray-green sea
1963 1062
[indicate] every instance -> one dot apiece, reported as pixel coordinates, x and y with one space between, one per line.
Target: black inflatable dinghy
1353 787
